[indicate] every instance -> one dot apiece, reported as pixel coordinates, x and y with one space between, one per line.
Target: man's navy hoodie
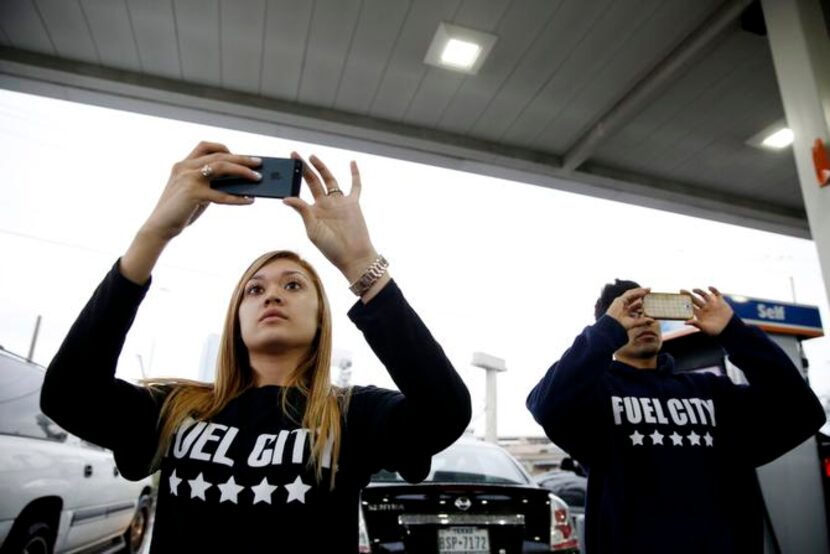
671 457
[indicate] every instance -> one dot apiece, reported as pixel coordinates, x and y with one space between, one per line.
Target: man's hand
627 309
712 312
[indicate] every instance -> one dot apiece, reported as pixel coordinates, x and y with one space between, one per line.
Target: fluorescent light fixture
775 137
781 138
458 48
460 53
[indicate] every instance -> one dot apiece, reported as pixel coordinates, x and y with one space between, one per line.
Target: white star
297 490
656 437
710 441
694 438
636 438
262 492
676 439
198 486
174 483
230 490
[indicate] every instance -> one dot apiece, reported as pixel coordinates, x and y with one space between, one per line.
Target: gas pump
792 485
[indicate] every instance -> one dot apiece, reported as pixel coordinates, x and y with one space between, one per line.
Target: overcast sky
502 267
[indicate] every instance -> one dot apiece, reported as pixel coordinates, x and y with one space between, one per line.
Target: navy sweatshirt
241 482
671 457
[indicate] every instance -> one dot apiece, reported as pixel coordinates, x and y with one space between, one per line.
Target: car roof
20 358
474 441
559 477
18 375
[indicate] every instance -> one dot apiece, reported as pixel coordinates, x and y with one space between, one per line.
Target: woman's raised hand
334 221
188 191
185 197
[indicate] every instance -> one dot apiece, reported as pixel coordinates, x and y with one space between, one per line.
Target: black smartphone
281 177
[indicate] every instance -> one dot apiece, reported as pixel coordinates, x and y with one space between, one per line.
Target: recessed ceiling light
460 53
779 139
775 137
458 48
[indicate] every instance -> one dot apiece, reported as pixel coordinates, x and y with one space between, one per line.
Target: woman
272 457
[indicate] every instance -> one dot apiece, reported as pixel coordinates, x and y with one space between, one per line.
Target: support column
492 365
799 36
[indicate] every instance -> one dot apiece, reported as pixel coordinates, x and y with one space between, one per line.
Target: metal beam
652 84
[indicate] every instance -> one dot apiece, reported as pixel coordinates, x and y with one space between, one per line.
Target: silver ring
207 171
334 191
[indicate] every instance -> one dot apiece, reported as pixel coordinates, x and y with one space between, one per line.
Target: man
671 457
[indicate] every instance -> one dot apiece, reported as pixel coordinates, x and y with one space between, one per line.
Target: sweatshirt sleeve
402 430
777 411
566 402
80 391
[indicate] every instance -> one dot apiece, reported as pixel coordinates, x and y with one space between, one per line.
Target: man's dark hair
609 292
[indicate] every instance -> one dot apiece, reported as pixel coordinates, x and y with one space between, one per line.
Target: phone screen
281 177
668 306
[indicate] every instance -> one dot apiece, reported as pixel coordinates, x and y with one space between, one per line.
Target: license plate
469 540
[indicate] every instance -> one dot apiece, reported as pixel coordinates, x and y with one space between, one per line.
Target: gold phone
664 305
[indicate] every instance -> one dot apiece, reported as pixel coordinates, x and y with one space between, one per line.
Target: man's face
643 342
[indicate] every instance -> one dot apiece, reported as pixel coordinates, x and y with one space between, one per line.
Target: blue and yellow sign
778 317
772 316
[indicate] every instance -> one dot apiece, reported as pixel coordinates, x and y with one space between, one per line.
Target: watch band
374 272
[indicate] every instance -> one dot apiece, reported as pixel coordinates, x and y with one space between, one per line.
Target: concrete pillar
799 36
492 365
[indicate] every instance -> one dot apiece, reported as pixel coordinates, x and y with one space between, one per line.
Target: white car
57 492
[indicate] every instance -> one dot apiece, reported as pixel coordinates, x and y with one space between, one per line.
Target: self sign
771 312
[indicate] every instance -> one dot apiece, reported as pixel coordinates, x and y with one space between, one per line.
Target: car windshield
466 463
20 402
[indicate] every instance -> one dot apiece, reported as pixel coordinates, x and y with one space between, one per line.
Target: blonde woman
271 457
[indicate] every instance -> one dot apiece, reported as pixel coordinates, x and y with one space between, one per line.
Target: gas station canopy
652 102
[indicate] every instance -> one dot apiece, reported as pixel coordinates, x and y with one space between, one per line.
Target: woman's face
279 308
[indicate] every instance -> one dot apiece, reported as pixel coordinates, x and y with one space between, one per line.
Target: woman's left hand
334 222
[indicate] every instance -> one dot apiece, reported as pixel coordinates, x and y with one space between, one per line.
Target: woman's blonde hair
324 403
